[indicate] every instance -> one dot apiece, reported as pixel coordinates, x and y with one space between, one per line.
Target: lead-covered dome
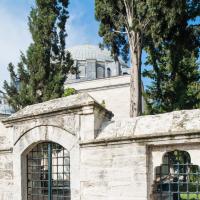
87 52
93 62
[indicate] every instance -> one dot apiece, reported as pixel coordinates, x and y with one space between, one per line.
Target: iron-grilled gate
48 172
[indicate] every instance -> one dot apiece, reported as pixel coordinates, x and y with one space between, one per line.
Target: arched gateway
69 149
48 172
46 146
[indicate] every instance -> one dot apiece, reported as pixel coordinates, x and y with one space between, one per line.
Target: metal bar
49 171
69 177
32 177
63 170
42 173
57 172
27 175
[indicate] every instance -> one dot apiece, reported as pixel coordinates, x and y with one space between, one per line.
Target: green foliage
124 26
103 103
114 27
179 175
41 73
69 91
189 197
170 41
152 20
174 58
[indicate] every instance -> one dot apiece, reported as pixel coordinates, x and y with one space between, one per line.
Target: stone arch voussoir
37 135
44 133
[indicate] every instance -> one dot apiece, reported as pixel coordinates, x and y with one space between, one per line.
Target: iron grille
48 172
177 178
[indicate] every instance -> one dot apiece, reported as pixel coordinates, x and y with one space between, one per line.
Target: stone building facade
72 149
102 77
112 92
93 63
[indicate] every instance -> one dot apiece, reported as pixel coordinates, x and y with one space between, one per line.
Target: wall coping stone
72 103
152 126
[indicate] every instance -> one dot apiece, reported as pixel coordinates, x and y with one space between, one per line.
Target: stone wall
113 172
120 163
64 121
6 165
114 91
109 159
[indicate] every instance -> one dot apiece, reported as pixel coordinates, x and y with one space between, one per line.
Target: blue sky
15 37
82 28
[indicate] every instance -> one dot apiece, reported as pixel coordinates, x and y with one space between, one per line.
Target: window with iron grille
100 71
177 178
48 172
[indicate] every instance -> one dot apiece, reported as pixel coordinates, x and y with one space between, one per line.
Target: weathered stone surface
6 175
64 121
6 161
63 104
5 138
6 195
109 160
113 172
185 121
118 128
108 90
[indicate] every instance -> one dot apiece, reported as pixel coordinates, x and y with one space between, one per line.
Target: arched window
177 178
48 172
100 71
108 72
82 72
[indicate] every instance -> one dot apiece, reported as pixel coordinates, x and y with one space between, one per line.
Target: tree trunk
135 82
135 43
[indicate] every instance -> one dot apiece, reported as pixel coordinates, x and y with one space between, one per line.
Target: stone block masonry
109 159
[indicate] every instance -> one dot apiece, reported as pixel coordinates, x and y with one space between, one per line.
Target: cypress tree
130 26
174 57
122 26
42 71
